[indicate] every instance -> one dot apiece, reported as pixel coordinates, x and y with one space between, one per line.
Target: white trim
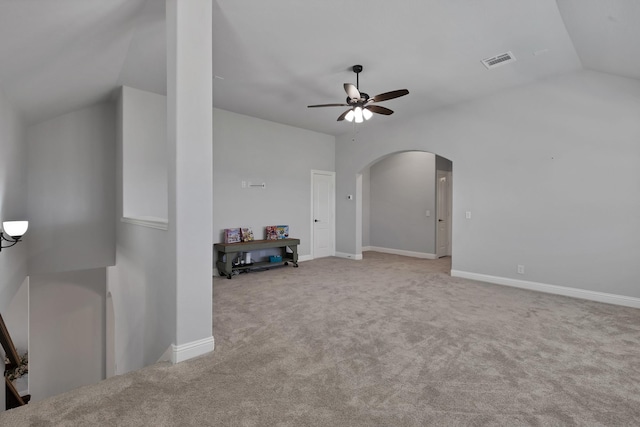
150 222
312 233
552 289
423 255
367 248
182 352
349 256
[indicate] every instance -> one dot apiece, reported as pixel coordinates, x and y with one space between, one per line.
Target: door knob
440 220
316 220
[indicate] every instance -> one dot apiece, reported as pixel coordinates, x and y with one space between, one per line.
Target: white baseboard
552 289
423 255
349 256
182 352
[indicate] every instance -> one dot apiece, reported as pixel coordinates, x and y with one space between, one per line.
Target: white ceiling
273 58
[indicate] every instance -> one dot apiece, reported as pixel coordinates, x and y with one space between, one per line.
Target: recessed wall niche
144 155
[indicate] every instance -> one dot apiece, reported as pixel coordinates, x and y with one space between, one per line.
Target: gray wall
142 290
71 175
142 296
13 205
71 202
16 318
534 166
13 198
402 190
66 331
144 169
142 285
257 151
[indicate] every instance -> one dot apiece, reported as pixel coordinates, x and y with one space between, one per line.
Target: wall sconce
14 230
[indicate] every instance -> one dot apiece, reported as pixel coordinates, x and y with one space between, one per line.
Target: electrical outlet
520 269
244 184
467 214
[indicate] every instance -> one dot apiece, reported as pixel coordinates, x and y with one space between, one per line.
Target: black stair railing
13 398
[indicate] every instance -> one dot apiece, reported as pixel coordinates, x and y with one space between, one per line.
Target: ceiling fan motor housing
364 97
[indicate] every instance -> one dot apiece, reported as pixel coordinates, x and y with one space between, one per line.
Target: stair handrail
13 398
8 346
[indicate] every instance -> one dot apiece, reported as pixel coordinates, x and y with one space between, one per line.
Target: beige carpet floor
387 341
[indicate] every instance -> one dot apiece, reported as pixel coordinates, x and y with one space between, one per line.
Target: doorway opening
407 205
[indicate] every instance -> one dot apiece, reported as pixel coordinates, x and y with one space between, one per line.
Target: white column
189 133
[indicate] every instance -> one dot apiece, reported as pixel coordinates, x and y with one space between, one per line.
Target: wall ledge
552 289
150 222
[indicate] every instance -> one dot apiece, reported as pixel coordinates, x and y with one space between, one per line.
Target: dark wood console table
229 251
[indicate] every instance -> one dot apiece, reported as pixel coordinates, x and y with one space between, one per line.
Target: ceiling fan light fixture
350 115
357 112
366 113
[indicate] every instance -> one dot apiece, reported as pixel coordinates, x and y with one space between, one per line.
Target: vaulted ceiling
273 58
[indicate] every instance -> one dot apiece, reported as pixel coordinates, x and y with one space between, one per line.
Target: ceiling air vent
498 60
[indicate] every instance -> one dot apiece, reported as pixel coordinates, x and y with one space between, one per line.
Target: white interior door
323 213
443 225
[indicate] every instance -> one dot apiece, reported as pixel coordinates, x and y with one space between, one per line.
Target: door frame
332 222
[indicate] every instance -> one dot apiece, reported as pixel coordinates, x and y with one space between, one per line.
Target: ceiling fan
361 105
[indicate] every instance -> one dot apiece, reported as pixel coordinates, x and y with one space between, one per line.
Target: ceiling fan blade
327 105
390 95
343 115
379 109
352 91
